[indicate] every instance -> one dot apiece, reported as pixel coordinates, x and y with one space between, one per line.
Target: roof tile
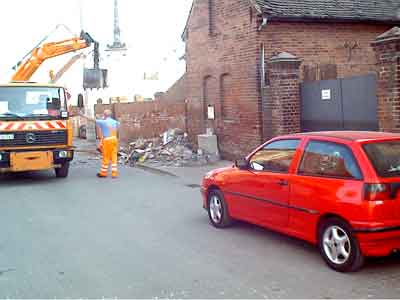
361 10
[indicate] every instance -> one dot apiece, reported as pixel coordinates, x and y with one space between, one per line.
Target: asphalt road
145 235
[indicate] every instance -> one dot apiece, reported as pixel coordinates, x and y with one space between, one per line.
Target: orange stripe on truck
38 125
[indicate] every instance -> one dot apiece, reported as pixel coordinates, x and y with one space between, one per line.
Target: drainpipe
265 113
264 23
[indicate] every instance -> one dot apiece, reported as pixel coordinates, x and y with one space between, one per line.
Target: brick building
177 92
257 61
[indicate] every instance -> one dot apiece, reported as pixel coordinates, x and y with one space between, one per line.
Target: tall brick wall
146 119
177 92
283 95
223 62
387 49
346 45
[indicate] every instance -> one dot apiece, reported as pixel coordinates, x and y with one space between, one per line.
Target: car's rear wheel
339 247
218 210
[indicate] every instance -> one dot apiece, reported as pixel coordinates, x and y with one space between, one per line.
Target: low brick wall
146 119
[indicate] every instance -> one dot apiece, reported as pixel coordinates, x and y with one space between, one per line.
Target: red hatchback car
338 190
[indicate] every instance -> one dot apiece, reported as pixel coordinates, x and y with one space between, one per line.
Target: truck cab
35 130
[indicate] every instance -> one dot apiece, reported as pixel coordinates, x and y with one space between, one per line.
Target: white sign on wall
326 95
211 112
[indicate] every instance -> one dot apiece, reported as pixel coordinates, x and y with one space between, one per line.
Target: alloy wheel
336 245
215 209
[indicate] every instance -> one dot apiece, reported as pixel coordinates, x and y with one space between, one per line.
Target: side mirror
242 164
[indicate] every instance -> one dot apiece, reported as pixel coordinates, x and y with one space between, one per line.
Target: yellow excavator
35 129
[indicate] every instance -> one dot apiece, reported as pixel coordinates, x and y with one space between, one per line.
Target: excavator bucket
94 78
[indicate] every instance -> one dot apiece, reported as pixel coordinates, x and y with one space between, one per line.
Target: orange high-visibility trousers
110 154
100 146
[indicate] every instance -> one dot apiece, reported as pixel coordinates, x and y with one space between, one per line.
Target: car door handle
283 182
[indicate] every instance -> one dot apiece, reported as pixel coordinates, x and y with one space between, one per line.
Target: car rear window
385 157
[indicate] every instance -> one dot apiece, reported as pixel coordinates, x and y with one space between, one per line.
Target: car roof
356 136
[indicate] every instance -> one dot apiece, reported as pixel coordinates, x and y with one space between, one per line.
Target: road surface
145 235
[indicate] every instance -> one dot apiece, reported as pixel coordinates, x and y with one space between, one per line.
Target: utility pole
86 95
90 128
80 3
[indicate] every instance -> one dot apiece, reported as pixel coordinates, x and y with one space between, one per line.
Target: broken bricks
172 148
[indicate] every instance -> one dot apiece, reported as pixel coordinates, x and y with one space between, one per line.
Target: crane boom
49 50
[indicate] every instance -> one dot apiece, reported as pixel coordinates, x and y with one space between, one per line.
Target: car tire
338 246
63 171
218 210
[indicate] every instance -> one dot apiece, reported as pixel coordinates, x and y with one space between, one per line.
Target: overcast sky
151 29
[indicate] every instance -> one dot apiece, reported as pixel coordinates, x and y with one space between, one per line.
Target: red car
337 190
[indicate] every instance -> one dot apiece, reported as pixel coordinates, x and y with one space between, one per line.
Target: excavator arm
27 68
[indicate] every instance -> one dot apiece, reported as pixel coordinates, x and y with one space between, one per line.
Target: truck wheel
63 171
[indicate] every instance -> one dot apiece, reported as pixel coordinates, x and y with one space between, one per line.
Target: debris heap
172 148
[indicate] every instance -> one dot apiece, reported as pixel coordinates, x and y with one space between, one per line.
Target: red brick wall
325 43
224 62
283 96
147 119
177 92
100 108
388 70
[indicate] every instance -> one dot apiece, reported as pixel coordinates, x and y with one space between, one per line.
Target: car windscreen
31 102
385 157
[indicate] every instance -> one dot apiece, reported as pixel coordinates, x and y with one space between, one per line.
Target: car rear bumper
379 241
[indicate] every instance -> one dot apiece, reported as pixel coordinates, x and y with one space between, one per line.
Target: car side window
327 159
275 157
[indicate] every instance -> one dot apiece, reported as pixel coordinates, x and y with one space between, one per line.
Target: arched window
207 95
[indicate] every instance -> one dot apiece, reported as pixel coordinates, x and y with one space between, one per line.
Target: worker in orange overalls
109 143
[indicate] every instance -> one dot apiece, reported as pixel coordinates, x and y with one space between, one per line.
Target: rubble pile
172 148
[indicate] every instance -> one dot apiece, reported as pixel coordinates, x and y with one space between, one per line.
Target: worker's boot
114 171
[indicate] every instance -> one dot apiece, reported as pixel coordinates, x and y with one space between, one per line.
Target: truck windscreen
31 102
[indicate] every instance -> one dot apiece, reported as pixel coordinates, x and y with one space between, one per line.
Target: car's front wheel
218 210
339 247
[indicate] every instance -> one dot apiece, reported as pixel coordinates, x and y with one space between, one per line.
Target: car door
271 166
328 179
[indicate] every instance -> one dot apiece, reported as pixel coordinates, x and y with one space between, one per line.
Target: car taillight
377 192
